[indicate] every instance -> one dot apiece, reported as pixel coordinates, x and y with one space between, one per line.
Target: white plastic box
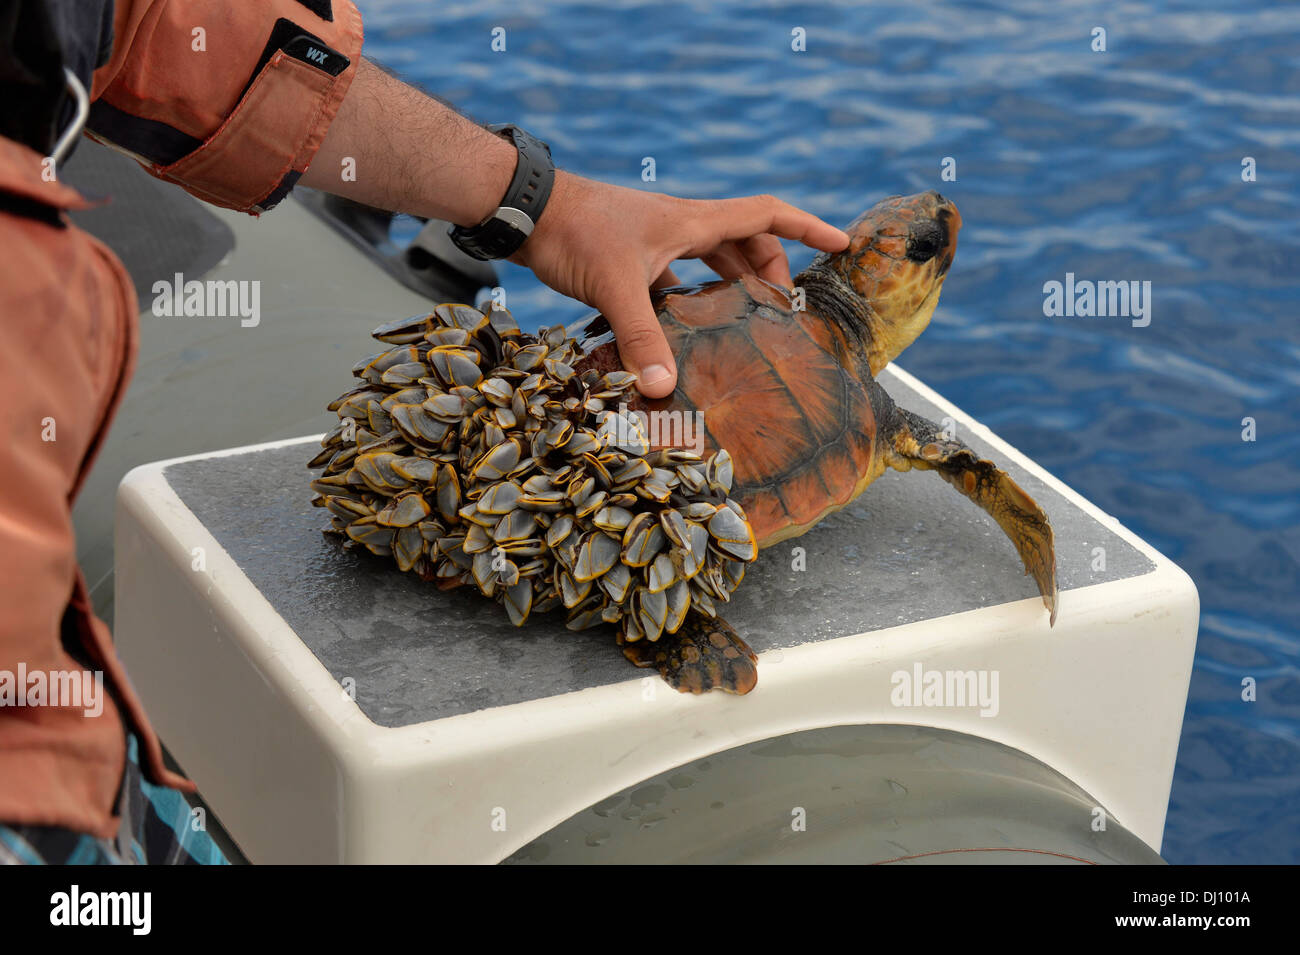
332 709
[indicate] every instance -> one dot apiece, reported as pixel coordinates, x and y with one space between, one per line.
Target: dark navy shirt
38 38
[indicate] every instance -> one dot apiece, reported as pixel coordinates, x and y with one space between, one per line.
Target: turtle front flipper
706 653
918 443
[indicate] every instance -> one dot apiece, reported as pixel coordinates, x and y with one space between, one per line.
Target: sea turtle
484 456
791 394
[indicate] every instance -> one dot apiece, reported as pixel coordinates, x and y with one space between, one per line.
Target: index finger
738 219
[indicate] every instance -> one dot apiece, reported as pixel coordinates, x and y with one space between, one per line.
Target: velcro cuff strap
276 128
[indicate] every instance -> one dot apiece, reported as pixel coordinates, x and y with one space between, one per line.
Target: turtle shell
772 389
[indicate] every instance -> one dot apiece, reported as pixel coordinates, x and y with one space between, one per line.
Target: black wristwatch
504 231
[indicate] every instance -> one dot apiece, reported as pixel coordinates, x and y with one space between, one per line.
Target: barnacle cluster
473 453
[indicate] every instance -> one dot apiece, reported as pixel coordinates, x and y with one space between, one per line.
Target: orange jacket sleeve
230 100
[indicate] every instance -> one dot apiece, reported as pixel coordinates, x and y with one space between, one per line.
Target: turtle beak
946 222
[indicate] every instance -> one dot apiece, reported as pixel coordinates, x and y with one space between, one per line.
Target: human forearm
395 148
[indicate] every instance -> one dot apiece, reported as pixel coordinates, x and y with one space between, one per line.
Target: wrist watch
502 233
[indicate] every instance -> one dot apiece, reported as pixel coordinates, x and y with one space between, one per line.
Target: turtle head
885 285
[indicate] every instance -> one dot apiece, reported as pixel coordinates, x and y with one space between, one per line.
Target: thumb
642 345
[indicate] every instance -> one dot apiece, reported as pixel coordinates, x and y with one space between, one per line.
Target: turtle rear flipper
918 443
706 653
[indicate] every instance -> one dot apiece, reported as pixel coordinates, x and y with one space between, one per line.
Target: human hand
608 246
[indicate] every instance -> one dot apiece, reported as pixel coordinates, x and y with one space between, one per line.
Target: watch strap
502 233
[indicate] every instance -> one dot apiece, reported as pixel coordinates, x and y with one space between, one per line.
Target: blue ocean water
1118 165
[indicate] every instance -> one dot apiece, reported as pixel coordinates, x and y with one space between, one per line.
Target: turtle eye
925 239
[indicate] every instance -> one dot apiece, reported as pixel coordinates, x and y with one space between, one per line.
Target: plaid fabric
156 830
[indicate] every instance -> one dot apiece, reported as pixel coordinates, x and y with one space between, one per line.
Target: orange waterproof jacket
231 101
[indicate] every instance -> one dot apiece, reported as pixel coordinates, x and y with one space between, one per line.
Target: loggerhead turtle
476 454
